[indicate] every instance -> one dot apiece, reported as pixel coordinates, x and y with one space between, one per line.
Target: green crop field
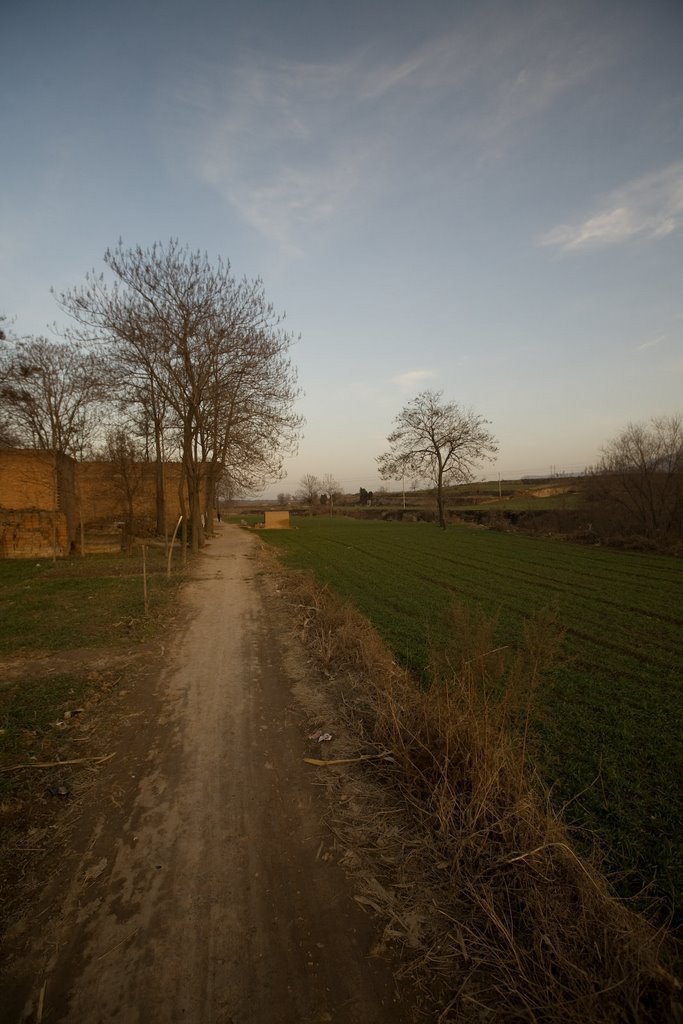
608 728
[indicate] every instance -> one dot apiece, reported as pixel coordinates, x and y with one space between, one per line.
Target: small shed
276 520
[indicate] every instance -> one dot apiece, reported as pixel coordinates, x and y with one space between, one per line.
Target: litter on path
320 736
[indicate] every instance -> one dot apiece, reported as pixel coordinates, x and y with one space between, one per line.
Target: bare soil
192 877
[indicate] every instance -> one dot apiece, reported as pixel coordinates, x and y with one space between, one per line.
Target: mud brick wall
27 479
38 481
33 535
102 493
98 494
44 481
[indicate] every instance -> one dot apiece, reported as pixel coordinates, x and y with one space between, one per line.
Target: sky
480 197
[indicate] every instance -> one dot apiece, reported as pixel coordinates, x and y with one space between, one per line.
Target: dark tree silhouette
205 358
438 440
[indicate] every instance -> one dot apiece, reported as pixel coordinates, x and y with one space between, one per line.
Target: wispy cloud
269 143
291 145
411 378
651 343
649 207
278 205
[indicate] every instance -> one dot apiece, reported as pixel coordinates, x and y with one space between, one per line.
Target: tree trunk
55 503
130 521
183 512
160 494
210 501
157 421
439 500
194 504
214 468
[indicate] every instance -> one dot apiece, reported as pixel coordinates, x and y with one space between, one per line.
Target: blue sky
484 198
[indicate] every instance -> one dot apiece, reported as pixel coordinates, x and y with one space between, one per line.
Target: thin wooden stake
41 1004
144 577
170 550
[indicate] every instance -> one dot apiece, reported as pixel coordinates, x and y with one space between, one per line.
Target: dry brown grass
498 917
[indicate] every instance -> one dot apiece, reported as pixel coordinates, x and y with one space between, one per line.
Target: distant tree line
168 357
636 488
324 490
313 490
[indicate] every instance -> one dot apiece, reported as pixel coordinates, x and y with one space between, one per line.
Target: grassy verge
79 602
55 616
465 860
609 717
248 519
34 729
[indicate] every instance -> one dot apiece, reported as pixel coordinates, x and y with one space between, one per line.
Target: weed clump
498 916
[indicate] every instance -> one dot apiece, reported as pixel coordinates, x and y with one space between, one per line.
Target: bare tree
308 490
8 438
126 458
247 424
210 356
332 488
50 394
135 370
641 475
438 440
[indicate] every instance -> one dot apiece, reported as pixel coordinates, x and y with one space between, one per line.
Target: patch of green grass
28 708
96 601
609 721
29 711
49 606
79 602
249 518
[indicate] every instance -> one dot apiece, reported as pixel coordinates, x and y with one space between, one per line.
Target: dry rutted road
199 893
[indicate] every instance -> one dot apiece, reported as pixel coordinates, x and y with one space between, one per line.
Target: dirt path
198 887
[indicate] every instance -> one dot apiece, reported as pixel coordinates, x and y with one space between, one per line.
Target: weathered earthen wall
91 492
101 492
33 535
100 499
27 479
37 488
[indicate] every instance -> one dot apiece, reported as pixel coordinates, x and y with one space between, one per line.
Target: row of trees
637 485
313 490
182 356
325 490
